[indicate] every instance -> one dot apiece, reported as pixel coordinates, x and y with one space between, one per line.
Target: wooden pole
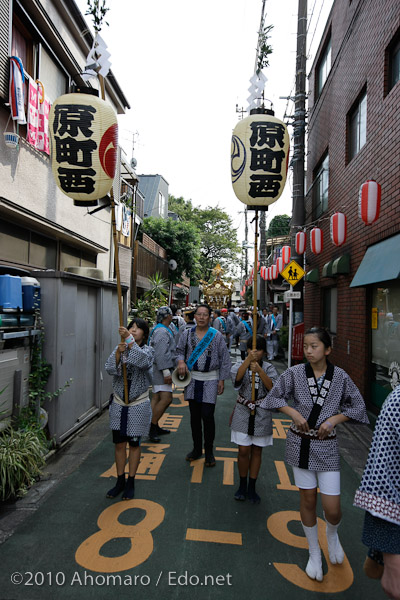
255 275
116 261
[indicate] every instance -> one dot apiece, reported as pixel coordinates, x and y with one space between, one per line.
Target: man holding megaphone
203 353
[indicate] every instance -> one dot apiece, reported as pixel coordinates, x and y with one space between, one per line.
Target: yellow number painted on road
337 579
88 554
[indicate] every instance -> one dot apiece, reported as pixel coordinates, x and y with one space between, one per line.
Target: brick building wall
360 32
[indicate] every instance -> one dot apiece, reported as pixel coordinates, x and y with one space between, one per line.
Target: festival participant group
316 395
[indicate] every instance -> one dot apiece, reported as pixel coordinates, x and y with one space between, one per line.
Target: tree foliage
280 225
98 10
218 237
181 241
264 49
159 287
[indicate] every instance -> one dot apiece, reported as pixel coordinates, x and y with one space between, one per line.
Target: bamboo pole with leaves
98 9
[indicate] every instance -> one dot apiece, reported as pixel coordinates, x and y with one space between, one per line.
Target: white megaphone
181 381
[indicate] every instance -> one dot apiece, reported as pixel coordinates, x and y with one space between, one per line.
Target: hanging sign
293 273
291 296
259 159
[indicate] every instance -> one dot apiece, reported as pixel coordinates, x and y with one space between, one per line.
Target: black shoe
240 494
153 434
253 497
193 455
129 491
210 460
118 488
162 431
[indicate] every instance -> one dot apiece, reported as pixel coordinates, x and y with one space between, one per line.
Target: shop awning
312 276
380 263
338 266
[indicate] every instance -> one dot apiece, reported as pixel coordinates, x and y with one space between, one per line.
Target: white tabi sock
314 565
335 550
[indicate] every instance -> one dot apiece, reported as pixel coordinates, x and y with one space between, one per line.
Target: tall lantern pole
259 157
116 262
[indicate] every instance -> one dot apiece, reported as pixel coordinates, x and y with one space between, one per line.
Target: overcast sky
184 66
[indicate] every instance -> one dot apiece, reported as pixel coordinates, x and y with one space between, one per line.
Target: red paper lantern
317 240
286 254
258 266
269 274
279 264
338 228
301 240
274 271
369 201
246 282
263 272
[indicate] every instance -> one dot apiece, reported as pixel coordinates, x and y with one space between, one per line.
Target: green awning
312 276
341 266
381 262
327 269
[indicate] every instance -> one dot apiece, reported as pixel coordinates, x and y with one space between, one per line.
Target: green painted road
184 535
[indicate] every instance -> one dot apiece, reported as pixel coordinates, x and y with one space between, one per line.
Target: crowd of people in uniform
316 395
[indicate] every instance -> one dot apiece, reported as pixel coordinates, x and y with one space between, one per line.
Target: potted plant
21 457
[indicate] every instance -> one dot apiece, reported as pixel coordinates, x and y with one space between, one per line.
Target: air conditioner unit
86 272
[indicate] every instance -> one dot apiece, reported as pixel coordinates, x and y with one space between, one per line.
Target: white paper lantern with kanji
259 158
301 241
286 254
316 240
84 146
369 201
338 228
279 264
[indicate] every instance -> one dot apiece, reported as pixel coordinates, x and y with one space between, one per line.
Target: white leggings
327 481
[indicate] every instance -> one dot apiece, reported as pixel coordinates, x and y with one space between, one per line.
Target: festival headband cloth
163 312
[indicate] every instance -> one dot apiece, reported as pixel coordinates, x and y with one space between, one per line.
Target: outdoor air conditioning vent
86 272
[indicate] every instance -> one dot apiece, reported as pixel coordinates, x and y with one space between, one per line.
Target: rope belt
203 376
312 434
142 398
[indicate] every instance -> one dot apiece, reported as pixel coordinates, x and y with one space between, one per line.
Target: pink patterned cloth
38 118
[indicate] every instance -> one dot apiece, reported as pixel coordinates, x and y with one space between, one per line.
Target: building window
161 204
24 247
54 79
323 67
74 257
385 339
393 62
320 187
329 309
357 124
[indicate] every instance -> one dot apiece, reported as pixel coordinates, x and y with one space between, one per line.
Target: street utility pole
299 122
